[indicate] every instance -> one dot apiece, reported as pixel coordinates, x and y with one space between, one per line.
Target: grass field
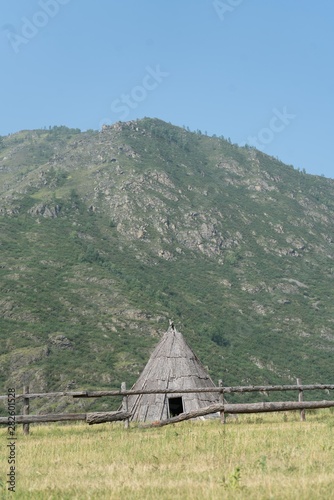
272 456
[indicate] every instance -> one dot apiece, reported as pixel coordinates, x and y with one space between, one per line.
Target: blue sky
257 71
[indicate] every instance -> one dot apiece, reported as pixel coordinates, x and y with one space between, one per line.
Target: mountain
106 235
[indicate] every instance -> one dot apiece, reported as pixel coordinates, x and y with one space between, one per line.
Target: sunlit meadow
255 457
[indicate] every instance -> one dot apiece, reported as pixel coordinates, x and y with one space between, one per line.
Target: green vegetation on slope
105 235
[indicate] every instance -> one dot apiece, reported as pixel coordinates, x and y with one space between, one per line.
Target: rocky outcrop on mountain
45 210
59 341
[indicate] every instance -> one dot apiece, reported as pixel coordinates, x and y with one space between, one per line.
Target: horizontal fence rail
45 395
225 390
229 390
123 414
90 418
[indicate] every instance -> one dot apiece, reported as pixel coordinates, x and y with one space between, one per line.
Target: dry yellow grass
268 457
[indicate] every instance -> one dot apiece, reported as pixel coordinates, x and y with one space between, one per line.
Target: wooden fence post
26 409
221 400
301 399
125 406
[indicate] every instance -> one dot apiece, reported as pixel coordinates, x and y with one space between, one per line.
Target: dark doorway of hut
175 406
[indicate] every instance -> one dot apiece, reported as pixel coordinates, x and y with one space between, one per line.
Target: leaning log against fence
245 408
100 418
90 418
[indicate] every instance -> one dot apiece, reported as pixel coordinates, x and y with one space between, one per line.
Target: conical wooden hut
172 365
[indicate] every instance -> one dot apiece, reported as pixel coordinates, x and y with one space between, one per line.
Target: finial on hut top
171 324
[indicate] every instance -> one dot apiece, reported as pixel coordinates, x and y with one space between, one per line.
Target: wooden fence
125 415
